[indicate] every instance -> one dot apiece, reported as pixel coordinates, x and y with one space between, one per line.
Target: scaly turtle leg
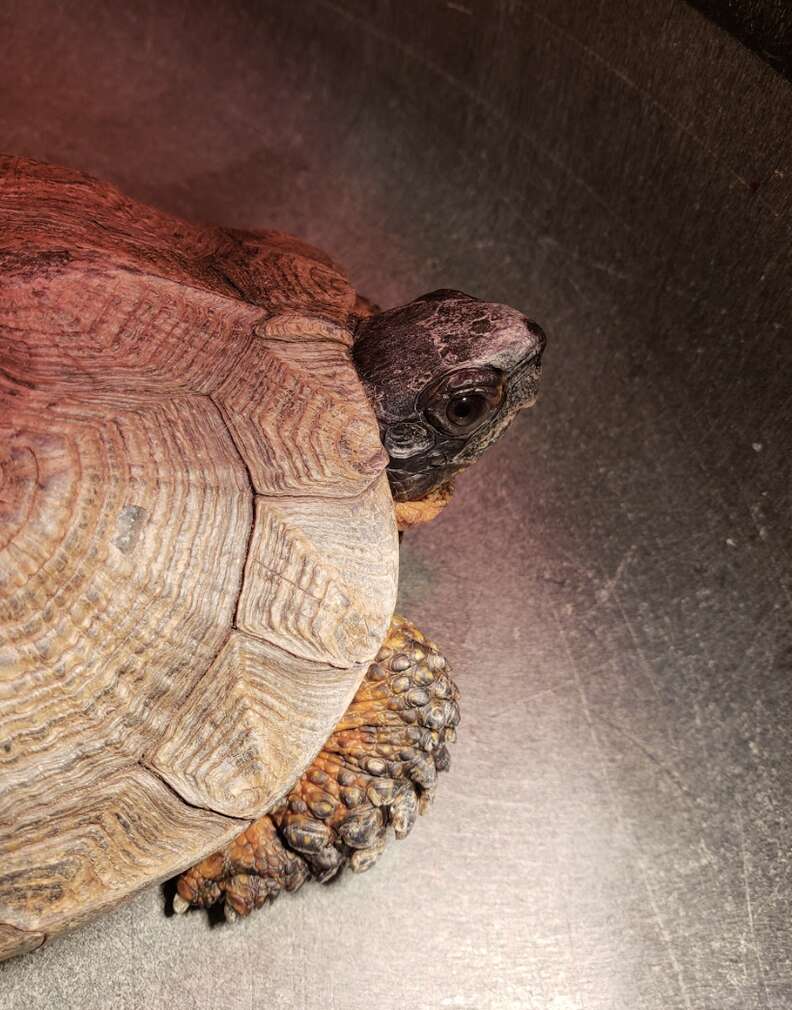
376 772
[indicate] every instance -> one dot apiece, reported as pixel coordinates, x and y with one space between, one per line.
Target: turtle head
446 375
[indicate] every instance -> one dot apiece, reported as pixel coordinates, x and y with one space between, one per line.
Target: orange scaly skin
375 774
413 513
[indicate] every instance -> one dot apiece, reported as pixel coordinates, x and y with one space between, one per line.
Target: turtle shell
198 552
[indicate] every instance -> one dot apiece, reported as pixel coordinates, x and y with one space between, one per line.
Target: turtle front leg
374 775
250 871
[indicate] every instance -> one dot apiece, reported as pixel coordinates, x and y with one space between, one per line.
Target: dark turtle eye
467 410
460 401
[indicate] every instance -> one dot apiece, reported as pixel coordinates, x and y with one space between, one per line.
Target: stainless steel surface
613 582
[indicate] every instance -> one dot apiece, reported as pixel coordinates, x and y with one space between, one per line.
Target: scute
237 760
198 552
315 576
301 432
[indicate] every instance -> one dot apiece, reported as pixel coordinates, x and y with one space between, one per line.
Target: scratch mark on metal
645 750
749 907
634 86
475 99
607 590
714 489
614 805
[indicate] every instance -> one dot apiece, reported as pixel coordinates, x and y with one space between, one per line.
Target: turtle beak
542 337
537 341
524 378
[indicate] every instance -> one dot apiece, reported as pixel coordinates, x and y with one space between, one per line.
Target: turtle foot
379 768
249 872
375 774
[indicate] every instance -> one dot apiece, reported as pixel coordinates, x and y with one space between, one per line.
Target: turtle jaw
406 486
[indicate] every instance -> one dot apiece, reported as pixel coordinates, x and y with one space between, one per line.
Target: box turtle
208 443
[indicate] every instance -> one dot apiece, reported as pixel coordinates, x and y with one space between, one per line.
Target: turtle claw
404 811
180 904
363 859
377 772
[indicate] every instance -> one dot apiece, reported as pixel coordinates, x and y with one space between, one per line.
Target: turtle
210 445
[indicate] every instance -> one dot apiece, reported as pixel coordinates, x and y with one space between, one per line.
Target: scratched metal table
613 583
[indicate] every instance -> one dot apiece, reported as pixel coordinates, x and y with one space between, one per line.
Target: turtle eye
460 401
465 411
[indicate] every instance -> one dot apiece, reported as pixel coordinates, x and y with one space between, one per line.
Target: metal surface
613 582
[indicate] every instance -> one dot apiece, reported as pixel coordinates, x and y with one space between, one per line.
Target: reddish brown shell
198 552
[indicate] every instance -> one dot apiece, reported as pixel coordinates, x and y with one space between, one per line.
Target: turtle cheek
407 439
416 462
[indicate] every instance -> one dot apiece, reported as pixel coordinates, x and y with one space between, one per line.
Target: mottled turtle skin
208 442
